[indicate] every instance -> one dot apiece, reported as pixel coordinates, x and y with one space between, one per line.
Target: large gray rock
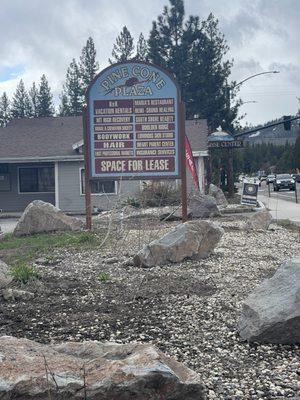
203 206
173 213
40 216
5 277
271 313
94 371
218 194
1 235
260 220
11 294
194 239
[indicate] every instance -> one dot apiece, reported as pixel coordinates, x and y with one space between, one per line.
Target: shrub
104 276
131 201
159 193
24 273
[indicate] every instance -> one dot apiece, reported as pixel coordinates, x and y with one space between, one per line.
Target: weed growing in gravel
24 273
104 276
27 248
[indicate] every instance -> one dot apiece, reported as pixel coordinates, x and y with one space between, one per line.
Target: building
42 158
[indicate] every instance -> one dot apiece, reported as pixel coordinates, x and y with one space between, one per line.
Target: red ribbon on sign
190 162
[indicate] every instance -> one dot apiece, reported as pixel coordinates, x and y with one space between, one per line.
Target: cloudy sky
39 36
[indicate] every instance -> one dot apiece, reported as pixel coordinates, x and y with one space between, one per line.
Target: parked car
263 178
284 181
296 177
270 179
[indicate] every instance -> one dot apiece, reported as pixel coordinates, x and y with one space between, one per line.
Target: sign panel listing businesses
133 123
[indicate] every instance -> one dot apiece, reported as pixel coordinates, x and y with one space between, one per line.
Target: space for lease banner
133 123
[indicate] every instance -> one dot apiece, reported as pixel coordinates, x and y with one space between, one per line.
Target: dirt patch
188 310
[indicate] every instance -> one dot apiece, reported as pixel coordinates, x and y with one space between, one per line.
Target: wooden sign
133 127
225 144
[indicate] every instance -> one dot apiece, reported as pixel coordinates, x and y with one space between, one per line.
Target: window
36 179
4 178
4 169
98 187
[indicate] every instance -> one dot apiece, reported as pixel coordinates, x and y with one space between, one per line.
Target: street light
253 76
230 154
249 101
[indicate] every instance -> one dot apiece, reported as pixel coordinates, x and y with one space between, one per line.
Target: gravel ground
189 310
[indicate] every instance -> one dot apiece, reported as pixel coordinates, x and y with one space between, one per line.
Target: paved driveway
8 224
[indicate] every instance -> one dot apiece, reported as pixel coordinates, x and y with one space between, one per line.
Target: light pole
253 76
230 178
249 101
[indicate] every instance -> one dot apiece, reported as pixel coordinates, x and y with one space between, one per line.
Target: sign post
183 164
87 183
134 127
249 193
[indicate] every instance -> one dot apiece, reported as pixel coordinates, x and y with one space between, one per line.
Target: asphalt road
281 204
283 194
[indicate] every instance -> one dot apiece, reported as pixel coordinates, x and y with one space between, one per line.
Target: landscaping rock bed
188 310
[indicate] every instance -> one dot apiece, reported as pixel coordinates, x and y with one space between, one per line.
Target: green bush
24 273
159 194
131 201
104 276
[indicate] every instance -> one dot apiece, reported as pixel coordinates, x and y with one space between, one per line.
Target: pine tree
155 52
5 114
21 107
88 65
72 96
33 96
64 109
296 153
166 46
123 48
141 49
194 52
44 104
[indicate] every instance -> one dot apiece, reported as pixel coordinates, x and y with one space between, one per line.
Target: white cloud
262 34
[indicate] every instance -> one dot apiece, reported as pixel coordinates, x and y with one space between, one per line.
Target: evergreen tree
44 99
155 52
165 43
21 107
64 109
5 114
194 52
296 154
141 49
33 96
72 95
123 48
88 65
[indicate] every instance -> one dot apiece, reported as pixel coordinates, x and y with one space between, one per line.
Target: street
281 204
284 194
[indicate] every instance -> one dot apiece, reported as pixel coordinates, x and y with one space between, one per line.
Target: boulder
92 370
16 294
203 206
1 235
5 277
260 220
39 217
194 239
271 313
173 214
218 194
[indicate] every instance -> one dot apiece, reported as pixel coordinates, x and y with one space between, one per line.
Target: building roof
56 138
197 132
40 137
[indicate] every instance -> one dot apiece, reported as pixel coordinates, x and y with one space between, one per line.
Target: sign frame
178 116
249 193
181 156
